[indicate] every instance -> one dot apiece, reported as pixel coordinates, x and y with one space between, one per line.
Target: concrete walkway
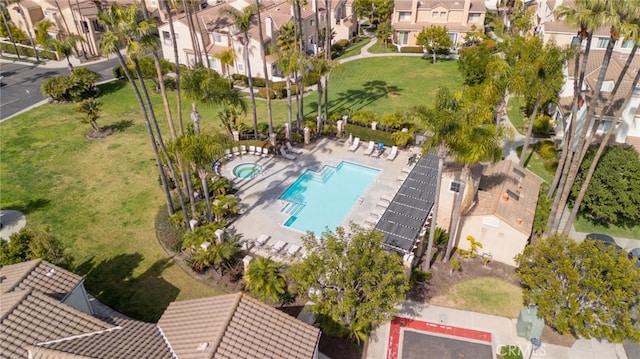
503 332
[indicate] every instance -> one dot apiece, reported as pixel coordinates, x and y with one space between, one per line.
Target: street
20 85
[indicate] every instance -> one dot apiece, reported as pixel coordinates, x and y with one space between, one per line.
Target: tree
384 31
263 56
91 108
613 194
353 282
288 61
473 62
227 57
224 205
32 243
242 21
585 288
435 39
65 47
265 278
217 255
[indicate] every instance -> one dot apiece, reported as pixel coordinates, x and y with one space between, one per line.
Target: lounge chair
354 146
369 148
291 149
227 154
406 170
387 198
371 219
378 152
377 212
393 154
243 150
236 151
258 151
265 152
252 150
278 246
262 239
402 178
287 155
293 250
383 204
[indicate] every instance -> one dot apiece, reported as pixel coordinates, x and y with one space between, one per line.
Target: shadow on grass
111 87
29 207
113 282
360 98
121 125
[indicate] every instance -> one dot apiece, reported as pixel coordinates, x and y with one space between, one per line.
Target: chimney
268 24
465 12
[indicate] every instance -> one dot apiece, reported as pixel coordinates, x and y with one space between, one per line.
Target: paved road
20 86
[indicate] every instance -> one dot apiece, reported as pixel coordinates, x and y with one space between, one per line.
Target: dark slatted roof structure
405 216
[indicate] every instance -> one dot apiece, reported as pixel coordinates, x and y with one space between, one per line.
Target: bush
367 134
542 126
28 51
118 72
258 82
363 118
240 77
29 244
402 139
168 233
78 86
311 79
411 50
340 45
547 150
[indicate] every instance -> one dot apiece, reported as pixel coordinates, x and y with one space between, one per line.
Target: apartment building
411 16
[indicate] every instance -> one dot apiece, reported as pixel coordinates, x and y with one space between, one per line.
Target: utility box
529 324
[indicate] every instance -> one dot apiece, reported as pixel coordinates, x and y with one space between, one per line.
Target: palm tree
65 47
223 205
176 59
242 21
116 36
620 16
91 108
200 150
265 278
227 58
322 67
263 55
443 127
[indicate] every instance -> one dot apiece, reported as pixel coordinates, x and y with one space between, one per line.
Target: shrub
363 117
240 77
411 50
311 79
367 134
542 125
118 72
402 138
258 82
263 127
340 45
169 233
76 87
549 153
262 92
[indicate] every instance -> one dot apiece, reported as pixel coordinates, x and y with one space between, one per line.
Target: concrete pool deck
262 210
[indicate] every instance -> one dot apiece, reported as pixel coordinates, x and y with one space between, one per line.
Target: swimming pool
321 199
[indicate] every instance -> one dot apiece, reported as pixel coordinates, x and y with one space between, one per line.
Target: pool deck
262 210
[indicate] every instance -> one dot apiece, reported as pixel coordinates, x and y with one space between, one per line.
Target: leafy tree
473 63
585 288
77 86
91 108
384 31
353 282
28 244
613 196
435 39
266 279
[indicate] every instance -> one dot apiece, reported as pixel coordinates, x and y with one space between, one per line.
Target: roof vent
202 346
50 272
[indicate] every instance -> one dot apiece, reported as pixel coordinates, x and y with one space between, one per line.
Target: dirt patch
96 135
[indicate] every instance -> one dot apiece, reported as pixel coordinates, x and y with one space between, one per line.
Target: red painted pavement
398 323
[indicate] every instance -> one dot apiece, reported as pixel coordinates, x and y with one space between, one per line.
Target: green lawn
486 295
535 164
355 49
380 48
101 197
516 115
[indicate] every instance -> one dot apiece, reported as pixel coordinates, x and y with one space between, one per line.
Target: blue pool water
321 199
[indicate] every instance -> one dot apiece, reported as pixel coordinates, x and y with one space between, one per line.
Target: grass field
583 225
486 295
516 114
101 197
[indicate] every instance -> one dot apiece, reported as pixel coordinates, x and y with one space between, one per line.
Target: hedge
367 134
411 50
28 51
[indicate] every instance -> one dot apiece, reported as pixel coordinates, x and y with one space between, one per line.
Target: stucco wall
503 242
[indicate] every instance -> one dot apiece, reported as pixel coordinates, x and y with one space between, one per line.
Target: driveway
20 85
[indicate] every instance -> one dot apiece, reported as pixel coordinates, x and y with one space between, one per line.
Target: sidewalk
503 331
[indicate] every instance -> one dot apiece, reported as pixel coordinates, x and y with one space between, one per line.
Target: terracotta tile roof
509 192
31 317
134 339
235 326
40 275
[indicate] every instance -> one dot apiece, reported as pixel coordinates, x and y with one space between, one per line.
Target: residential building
46 313
556 30
498 207
459 16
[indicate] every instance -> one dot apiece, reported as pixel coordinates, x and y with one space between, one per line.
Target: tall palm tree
223 205
620 16
288 62
265 278
65 47
443 126
227 59
263 55
242 22
322 68
170 6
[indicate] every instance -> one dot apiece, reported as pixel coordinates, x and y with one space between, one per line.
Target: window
405 15
475 17
240 68
97 26
575 41
84 26
311 22
443 14
403 38
434 14
215 63
603 42
454 187
454 38
627 44
166 38
217 38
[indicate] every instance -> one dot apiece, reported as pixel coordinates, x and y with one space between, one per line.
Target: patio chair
291 149
243 150
293 250
378 151
402 178
377 212
393 154
354 146
371 219
406 170
287 155
383 204
386 197
236 151
252 150
278 246
227 154
262 239
369 148
258 151
265 152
